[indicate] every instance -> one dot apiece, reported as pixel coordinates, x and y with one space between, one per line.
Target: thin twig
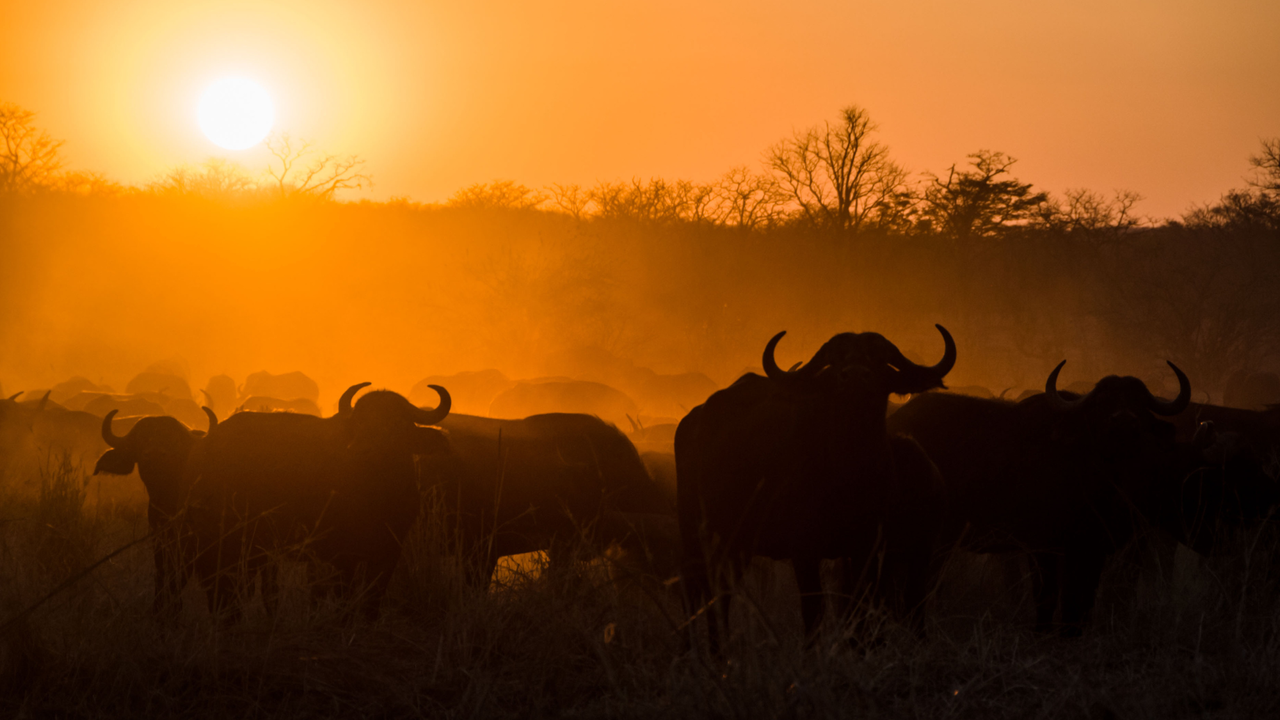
66 584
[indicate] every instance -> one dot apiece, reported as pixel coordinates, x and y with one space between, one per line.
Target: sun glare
235 113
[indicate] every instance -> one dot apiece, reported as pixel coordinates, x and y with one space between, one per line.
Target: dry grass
1198 638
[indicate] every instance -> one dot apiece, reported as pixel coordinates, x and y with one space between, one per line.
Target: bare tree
215 178
748 200
29 157
88 183
506 194
835 173
571 200
301 169
1089 216
693 202
1267 165
656 200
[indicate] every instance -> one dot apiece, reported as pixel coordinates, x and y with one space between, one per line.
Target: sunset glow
235 113
619 359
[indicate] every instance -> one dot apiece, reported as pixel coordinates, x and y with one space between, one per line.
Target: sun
235 113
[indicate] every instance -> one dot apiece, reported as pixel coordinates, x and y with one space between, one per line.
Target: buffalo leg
696 583
905 581
1045 587
171 569
374 592
165 598
1081 572
270 574
809 580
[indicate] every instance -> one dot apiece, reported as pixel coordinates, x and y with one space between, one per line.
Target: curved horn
912 378
944 365
14 397
431 417
207 397
344 402
1056 401
108 436
790 377
213 418
1178 404
771 368
44 400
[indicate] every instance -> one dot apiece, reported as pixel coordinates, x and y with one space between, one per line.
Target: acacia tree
29 157
978 203
836 174
302 169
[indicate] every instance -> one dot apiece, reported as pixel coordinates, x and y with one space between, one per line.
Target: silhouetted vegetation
1188 639
829 234
236 271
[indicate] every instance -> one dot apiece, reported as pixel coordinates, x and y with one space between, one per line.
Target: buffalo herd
811 464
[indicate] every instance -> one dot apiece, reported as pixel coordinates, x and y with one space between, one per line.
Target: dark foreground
1182 637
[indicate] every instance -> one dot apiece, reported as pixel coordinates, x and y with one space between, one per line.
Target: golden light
235 113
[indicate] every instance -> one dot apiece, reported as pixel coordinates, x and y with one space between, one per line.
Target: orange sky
1167 98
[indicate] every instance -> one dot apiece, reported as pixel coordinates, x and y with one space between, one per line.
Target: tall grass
1184 637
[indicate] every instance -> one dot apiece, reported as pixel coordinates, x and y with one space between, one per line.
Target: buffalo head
160 443
865 360
384 421
1121 408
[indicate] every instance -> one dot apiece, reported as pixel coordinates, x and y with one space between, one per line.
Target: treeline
829 234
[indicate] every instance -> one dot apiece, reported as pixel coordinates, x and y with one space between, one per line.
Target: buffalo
653 438
798 466
541 483
64 391
1251 390
1066 477
17 436
475 389
667 395
1229 482
1258 430
70 434
288 386
558 395
343 489
160 382
260 404
220 394
139 405
102 403
36 431
162 449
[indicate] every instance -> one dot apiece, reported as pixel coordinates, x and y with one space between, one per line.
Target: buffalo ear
430 441
115 462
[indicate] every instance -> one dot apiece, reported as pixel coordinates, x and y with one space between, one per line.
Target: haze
1167 99
550 194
